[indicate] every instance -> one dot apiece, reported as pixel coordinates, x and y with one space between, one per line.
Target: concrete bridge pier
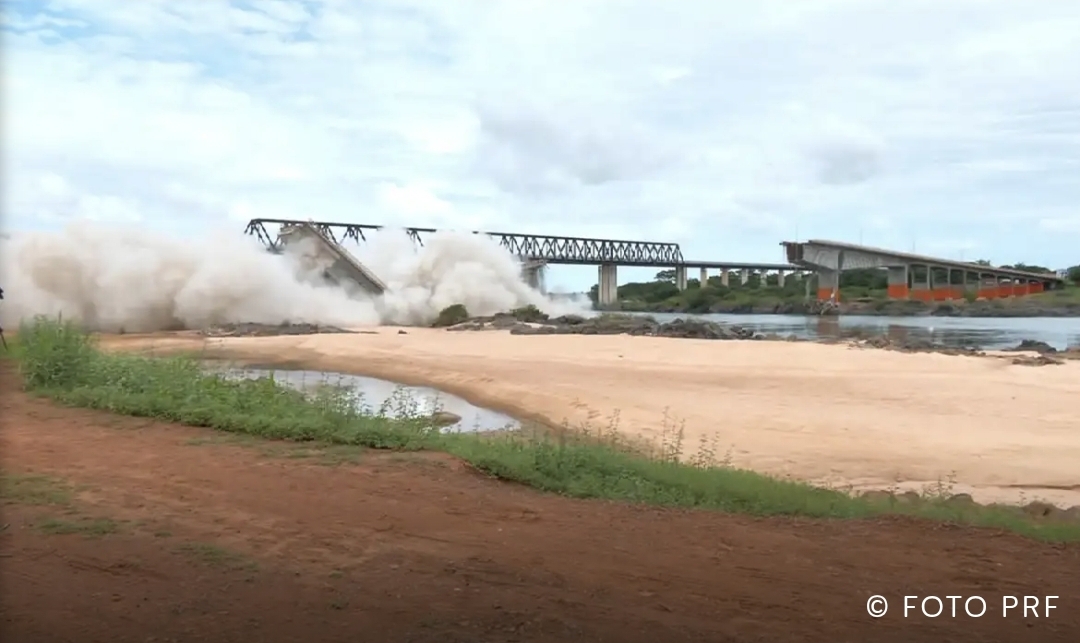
704 279
744 277
608 291
534 276
828 284
725 279
780 278
921 279
898 282
680 277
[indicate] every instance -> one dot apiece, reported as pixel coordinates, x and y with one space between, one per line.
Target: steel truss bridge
532 247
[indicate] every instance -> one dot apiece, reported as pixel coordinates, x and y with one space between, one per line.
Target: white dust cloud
127 279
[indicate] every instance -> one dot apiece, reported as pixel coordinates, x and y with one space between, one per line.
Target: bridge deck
736 265
546 248
901 258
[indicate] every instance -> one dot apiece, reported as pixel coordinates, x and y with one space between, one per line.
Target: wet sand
829 414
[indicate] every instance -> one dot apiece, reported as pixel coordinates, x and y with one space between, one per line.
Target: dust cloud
129 279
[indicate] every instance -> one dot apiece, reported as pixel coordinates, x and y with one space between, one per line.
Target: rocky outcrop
249 329
610 325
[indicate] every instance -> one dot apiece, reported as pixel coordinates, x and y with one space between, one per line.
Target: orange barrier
944 293
825 294
898 291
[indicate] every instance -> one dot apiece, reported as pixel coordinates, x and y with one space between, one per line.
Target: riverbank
826 414
855 301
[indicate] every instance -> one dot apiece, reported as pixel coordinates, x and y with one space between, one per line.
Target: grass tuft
33 490
60 361
89 527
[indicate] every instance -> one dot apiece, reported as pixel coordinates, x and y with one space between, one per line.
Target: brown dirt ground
221 539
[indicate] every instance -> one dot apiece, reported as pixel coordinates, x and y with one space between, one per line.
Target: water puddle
391 398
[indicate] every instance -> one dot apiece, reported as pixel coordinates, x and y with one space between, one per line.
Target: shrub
54 354
451 315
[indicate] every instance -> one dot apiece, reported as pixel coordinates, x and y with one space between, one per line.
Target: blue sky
950 126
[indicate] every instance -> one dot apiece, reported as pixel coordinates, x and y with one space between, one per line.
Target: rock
1039 509
445 418
401 332
1072 514
1034 346
250 329
912 345
1036 360
568 320
610 324
960 500
504 321
529 314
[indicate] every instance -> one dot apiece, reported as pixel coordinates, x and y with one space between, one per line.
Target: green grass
217 556
33 490
89 527
60 361
1070 294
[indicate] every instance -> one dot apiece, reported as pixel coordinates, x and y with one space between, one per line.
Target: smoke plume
134 280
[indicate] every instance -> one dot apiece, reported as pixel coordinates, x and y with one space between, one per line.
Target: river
983 332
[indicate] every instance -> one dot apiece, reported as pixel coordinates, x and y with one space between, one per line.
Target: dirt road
178 534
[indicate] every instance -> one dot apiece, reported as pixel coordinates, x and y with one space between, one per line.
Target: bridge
914 276
539 250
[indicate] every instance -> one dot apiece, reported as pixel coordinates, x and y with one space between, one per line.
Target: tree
1073 274
666 275
983 262
1028 268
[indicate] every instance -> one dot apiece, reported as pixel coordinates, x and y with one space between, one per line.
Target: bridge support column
973 285
680 277
780 278
608 292
725 279
744 277
704 277
534 276
828 285
898 282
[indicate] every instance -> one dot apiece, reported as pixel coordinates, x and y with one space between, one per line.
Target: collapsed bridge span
338 264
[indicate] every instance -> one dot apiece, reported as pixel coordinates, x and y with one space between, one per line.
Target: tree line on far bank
662 293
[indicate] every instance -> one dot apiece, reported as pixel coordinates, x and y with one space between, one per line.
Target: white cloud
721 125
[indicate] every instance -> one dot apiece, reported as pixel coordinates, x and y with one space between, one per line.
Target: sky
949 127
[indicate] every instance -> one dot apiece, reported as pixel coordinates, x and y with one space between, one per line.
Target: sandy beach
829 414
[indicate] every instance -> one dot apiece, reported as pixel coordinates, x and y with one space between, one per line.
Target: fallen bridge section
914 276
341 266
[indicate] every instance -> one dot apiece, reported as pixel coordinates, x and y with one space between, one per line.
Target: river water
379 396
982 332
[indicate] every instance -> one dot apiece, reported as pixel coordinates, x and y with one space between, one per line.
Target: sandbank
829 414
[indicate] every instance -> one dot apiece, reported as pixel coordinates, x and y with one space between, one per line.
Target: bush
54 354
529 314
451 315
